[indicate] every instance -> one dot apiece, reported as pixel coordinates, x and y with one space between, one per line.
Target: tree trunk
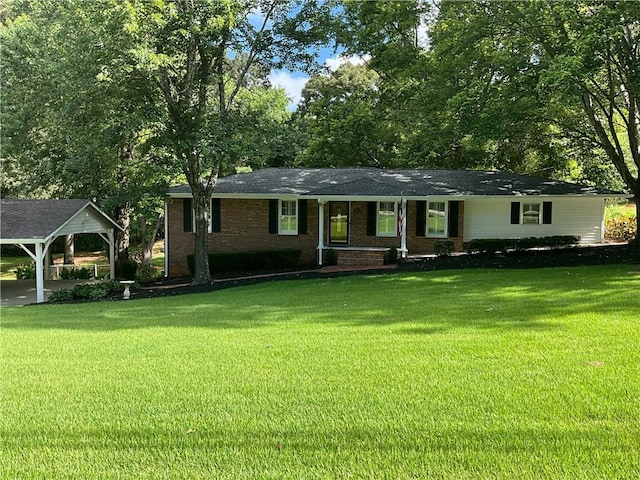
48 261
149 241
122 215
201 250
68 250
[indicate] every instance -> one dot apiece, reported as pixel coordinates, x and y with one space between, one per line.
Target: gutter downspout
320 231
166 239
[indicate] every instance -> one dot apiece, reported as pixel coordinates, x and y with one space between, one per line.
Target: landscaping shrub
330 257
491 246
620 222
83 273
26 271
248 261
443 247
147 273
391 256
88 291
127 269
621 229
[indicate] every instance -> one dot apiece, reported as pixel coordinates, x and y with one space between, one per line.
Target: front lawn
495 374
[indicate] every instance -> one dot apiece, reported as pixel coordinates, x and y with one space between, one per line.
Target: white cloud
336 62
292 84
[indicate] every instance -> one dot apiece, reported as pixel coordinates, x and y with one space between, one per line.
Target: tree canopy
114 100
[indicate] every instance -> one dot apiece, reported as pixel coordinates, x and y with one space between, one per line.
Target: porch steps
361 257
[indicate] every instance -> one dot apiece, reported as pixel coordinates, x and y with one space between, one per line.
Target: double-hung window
530 213
387 219
436 219
288 218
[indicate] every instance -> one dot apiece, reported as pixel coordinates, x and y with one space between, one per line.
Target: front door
339 223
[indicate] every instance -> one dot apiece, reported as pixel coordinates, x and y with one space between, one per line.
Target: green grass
461 375
8 264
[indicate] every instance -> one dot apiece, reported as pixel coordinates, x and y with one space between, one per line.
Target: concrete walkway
23 292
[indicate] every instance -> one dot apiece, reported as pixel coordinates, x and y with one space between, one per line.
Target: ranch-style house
362 212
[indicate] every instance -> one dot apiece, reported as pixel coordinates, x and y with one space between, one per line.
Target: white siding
86 221
491 218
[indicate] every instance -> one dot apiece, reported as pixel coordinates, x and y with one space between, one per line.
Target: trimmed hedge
248 261
443 247
491 246
88 291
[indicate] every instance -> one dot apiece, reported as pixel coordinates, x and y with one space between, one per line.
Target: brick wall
421 245
245 227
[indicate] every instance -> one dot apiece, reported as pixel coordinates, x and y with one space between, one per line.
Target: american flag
400 217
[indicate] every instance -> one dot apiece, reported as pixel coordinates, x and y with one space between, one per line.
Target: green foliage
495 374
87 291
391 257
127 269
83 273
26 271
341 116
248 261
490 246
146 273
330 257
621 229
443 247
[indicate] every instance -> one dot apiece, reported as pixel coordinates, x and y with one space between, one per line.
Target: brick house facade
363 212
244 226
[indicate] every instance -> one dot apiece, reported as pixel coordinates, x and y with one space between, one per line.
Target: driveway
23 292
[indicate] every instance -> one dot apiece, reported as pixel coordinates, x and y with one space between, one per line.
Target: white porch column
320 231
39 273
403 235
111 241
38 258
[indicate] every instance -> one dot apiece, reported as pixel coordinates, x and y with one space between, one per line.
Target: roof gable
39 220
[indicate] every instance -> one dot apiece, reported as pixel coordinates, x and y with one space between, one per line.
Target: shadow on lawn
418 303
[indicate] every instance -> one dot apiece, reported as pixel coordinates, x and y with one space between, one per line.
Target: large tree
586 59
76 114
111 100
344 121
199 54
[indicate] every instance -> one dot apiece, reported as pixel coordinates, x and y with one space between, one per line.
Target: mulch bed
569 257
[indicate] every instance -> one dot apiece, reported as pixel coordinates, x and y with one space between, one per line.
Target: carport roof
36 221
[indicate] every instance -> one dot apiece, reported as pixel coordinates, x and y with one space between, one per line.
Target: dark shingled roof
35 219
367 182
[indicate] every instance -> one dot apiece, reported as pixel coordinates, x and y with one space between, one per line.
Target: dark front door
339 223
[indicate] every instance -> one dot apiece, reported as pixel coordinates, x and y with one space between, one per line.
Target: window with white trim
387 219
436 219
531 213
288 218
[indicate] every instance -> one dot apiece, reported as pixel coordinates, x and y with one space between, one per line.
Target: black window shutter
187 215
371 218
215 215
515 213
454 211
273 216
421 218
302 217
546 213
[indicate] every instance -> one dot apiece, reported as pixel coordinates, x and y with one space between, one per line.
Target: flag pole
402 225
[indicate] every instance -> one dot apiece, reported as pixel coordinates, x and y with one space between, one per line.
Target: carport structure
40 222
